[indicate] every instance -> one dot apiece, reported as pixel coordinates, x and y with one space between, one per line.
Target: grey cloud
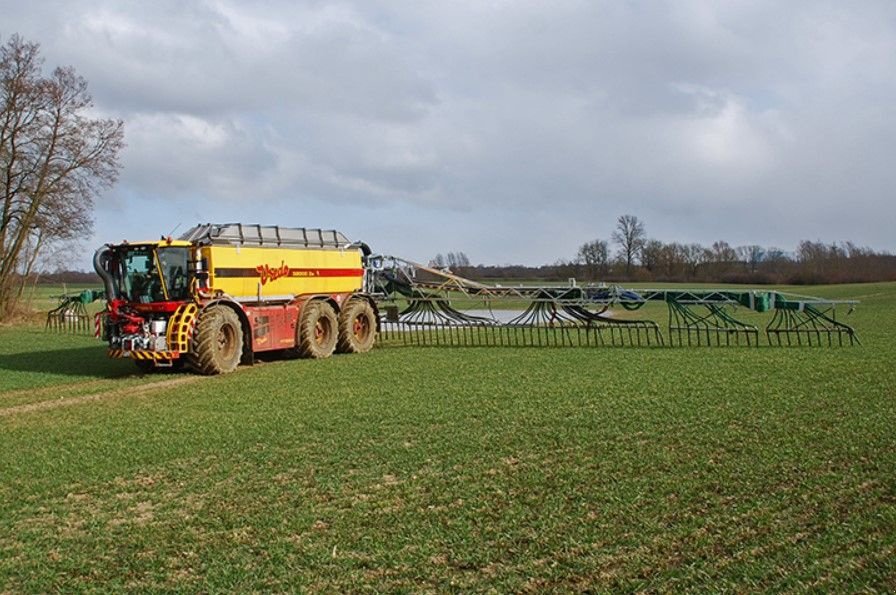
748 121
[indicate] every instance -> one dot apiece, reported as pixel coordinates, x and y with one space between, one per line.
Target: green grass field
456 469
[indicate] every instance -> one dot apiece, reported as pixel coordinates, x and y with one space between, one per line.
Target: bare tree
629 235
853 251
54 160
751 255
694 256
595 256
451 260
722 252
722 258
652 255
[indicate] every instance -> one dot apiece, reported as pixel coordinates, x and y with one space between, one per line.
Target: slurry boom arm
418 305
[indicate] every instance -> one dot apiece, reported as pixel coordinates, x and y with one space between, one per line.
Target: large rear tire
218 341
357 327
317 331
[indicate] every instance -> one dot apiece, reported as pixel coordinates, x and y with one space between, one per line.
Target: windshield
174 268
149 274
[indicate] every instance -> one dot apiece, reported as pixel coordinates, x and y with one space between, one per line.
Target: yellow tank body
276 273
272 263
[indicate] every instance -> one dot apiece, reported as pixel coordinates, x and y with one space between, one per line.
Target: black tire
357 327
217 342
317 332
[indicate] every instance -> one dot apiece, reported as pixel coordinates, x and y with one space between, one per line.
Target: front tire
218 341
317 331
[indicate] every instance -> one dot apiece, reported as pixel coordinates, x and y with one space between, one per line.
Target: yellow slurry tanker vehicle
222 293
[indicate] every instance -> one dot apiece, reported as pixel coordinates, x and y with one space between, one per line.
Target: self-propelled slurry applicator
221 293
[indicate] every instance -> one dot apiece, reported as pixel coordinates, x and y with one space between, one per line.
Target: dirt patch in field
120 392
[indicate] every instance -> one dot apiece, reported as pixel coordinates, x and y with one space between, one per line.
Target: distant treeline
68 277
638 258
812 263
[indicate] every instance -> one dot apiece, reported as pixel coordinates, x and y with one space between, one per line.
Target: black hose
365 249
100 260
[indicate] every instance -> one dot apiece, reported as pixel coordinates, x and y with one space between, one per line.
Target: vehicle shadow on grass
93 362
76 361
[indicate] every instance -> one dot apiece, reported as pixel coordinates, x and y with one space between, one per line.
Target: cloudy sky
511 130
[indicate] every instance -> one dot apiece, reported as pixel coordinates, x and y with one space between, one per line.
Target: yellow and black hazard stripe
145 355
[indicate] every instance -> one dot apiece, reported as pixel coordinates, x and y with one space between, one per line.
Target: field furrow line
54 389
120 392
